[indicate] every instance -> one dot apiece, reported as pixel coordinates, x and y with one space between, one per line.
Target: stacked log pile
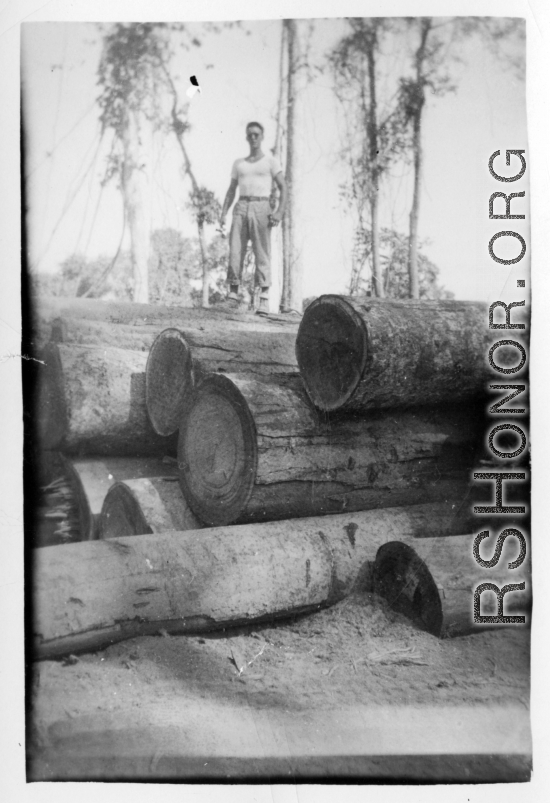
91 400
371 410
92 477
89 403
180 358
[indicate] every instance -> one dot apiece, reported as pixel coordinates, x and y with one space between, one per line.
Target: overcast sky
238 73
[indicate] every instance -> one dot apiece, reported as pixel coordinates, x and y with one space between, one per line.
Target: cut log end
404 580
331 349
217 451
121 514
433 581
169 377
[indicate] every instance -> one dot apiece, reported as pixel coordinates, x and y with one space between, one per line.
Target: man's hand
274 218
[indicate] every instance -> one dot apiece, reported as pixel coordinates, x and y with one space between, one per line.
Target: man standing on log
253 216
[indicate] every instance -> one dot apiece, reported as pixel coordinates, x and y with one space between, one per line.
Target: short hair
258 125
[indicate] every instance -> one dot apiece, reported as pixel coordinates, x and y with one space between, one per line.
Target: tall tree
277 250
129 80
134 77
376 132
437 48
426 74
296 80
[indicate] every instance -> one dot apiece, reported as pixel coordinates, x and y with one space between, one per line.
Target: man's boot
263 306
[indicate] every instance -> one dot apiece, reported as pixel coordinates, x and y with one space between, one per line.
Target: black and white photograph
277 289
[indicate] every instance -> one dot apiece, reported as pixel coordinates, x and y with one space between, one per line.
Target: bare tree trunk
372 125
419 100
277 148
414 290
135 191
277 235
290 27
292 268
204 260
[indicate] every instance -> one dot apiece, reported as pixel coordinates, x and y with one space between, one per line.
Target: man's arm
229 198
276 217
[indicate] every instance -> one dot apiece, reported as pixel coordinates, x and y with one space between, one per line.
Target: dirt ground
217 706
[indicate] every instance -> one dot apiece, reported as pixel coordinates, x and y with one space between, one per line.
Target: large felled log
92 401
91 594
141 336
433 581
361 354
144 506
82 332
179 357
254 451
128 325
91 478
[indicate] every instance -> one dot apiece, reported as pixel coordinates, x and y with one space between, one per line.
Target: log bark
144 506
255 451
178 358
89 595
433 581
92 401
363 354
92 478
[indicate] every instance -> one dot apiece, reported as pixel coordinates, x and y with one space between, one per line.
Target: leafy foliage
394 250
175 271
171 267
205 206
134 78
349 62
132 73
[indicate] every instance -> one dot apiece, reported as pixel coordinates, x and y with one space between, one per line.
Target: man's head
254 133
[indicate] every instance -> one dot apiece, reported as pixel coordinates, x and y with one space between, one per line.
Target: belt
254 198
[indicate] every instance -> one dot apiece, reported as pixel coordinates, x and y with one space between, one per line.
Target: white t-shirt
255 178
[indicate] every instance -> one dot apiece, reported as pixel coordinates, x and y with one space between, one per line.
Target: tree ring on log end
121 514
217 451
331 349
405 581
52 422
168 378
